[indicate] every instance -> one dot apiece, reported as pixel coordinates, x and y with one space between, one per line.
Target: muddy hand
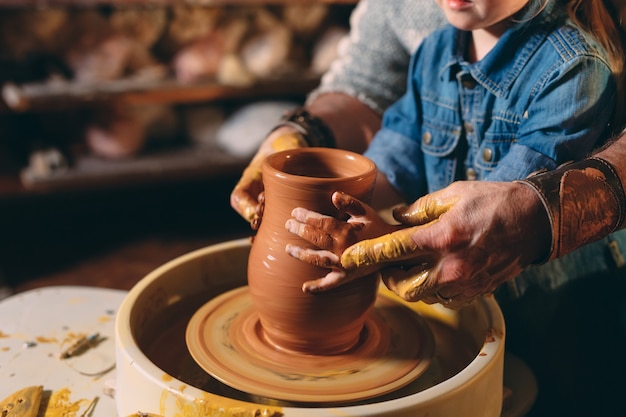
469 238
414 282
416 278
406 268
246 198
399 245
331 236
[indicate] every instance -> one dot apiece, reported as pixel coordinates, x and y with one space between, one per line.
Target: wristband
584 200
313 129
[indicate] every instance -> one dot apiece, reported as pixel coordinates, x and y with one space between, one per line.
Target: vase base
225 338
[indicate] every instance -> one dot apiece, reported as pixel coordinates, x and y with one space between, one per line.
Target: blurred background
124 125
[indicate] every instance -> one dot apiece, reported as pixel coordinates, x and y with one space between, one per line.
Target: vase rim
273 161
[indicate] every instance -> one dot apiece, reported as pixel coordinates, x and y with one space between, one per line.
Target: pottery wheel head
226 339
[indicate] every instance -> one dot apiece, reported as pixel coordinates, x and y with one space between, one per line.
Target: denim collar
499 69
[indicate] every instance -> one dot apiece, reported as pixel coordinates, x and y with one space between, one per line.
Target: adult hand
247 196
462 242
332 236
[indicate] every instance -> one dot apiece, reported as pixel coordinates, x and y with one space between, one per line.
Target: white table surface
37 325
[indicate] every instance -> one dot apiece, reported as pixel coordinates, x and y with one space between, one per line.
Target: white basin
156 374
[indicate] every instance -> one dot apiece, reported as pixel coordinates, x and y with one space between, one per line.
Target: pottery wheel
225 338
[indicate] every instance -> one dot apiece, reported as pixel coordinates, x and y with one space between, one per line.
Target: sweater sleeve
373 59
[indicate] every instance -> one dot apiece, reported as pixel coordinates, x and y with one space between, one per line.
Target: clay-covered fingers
373 225
425 209
420 283
425 281
409 283
333 279
455 296
350 205
447 297
391 247
458 293
323 258
246 197
318 230
324 232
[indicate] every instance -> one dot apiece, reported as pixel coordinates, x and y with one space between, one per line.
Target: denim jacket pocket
439 139
438 142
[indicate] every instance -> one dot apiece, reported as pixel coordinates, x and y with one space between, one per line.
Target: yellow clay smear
407 285
212 405
287 141
42 339
251 174
392 246
431 210
23 403
61 406
248 211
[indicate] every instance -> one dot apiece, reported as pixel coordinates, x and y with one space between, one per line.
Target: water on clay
163 342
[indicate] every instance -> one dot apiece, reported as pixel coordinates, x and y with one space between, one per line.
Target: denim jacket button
487 154
468 127
471 174
427 138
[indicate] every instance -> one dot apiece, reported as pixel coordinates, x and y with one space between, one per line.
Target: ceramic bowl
156 374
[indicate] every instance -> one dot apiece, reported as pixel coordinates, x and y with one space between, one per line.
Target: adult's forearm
352 123
584 200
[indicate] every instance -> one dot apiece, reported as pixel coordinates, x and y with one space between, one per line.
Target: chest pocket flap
439 139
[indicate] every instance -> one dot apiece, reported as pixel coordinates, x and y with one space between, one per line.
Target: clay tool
80 346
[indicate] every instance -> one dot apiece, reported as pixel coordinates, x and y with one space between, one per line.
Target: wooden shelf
63 95
179 164
53 97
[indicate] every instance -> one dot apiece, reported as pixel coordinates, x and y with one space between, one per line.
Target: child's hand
332 236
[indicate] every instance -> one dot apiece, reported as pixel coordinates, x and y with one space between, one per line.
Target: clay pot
322 324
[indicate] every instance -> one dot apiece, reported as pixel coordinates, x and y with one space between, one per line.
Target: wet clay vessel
321 324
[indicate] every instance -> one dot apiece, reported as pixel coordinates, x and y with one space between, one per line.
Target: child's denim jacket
542 96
